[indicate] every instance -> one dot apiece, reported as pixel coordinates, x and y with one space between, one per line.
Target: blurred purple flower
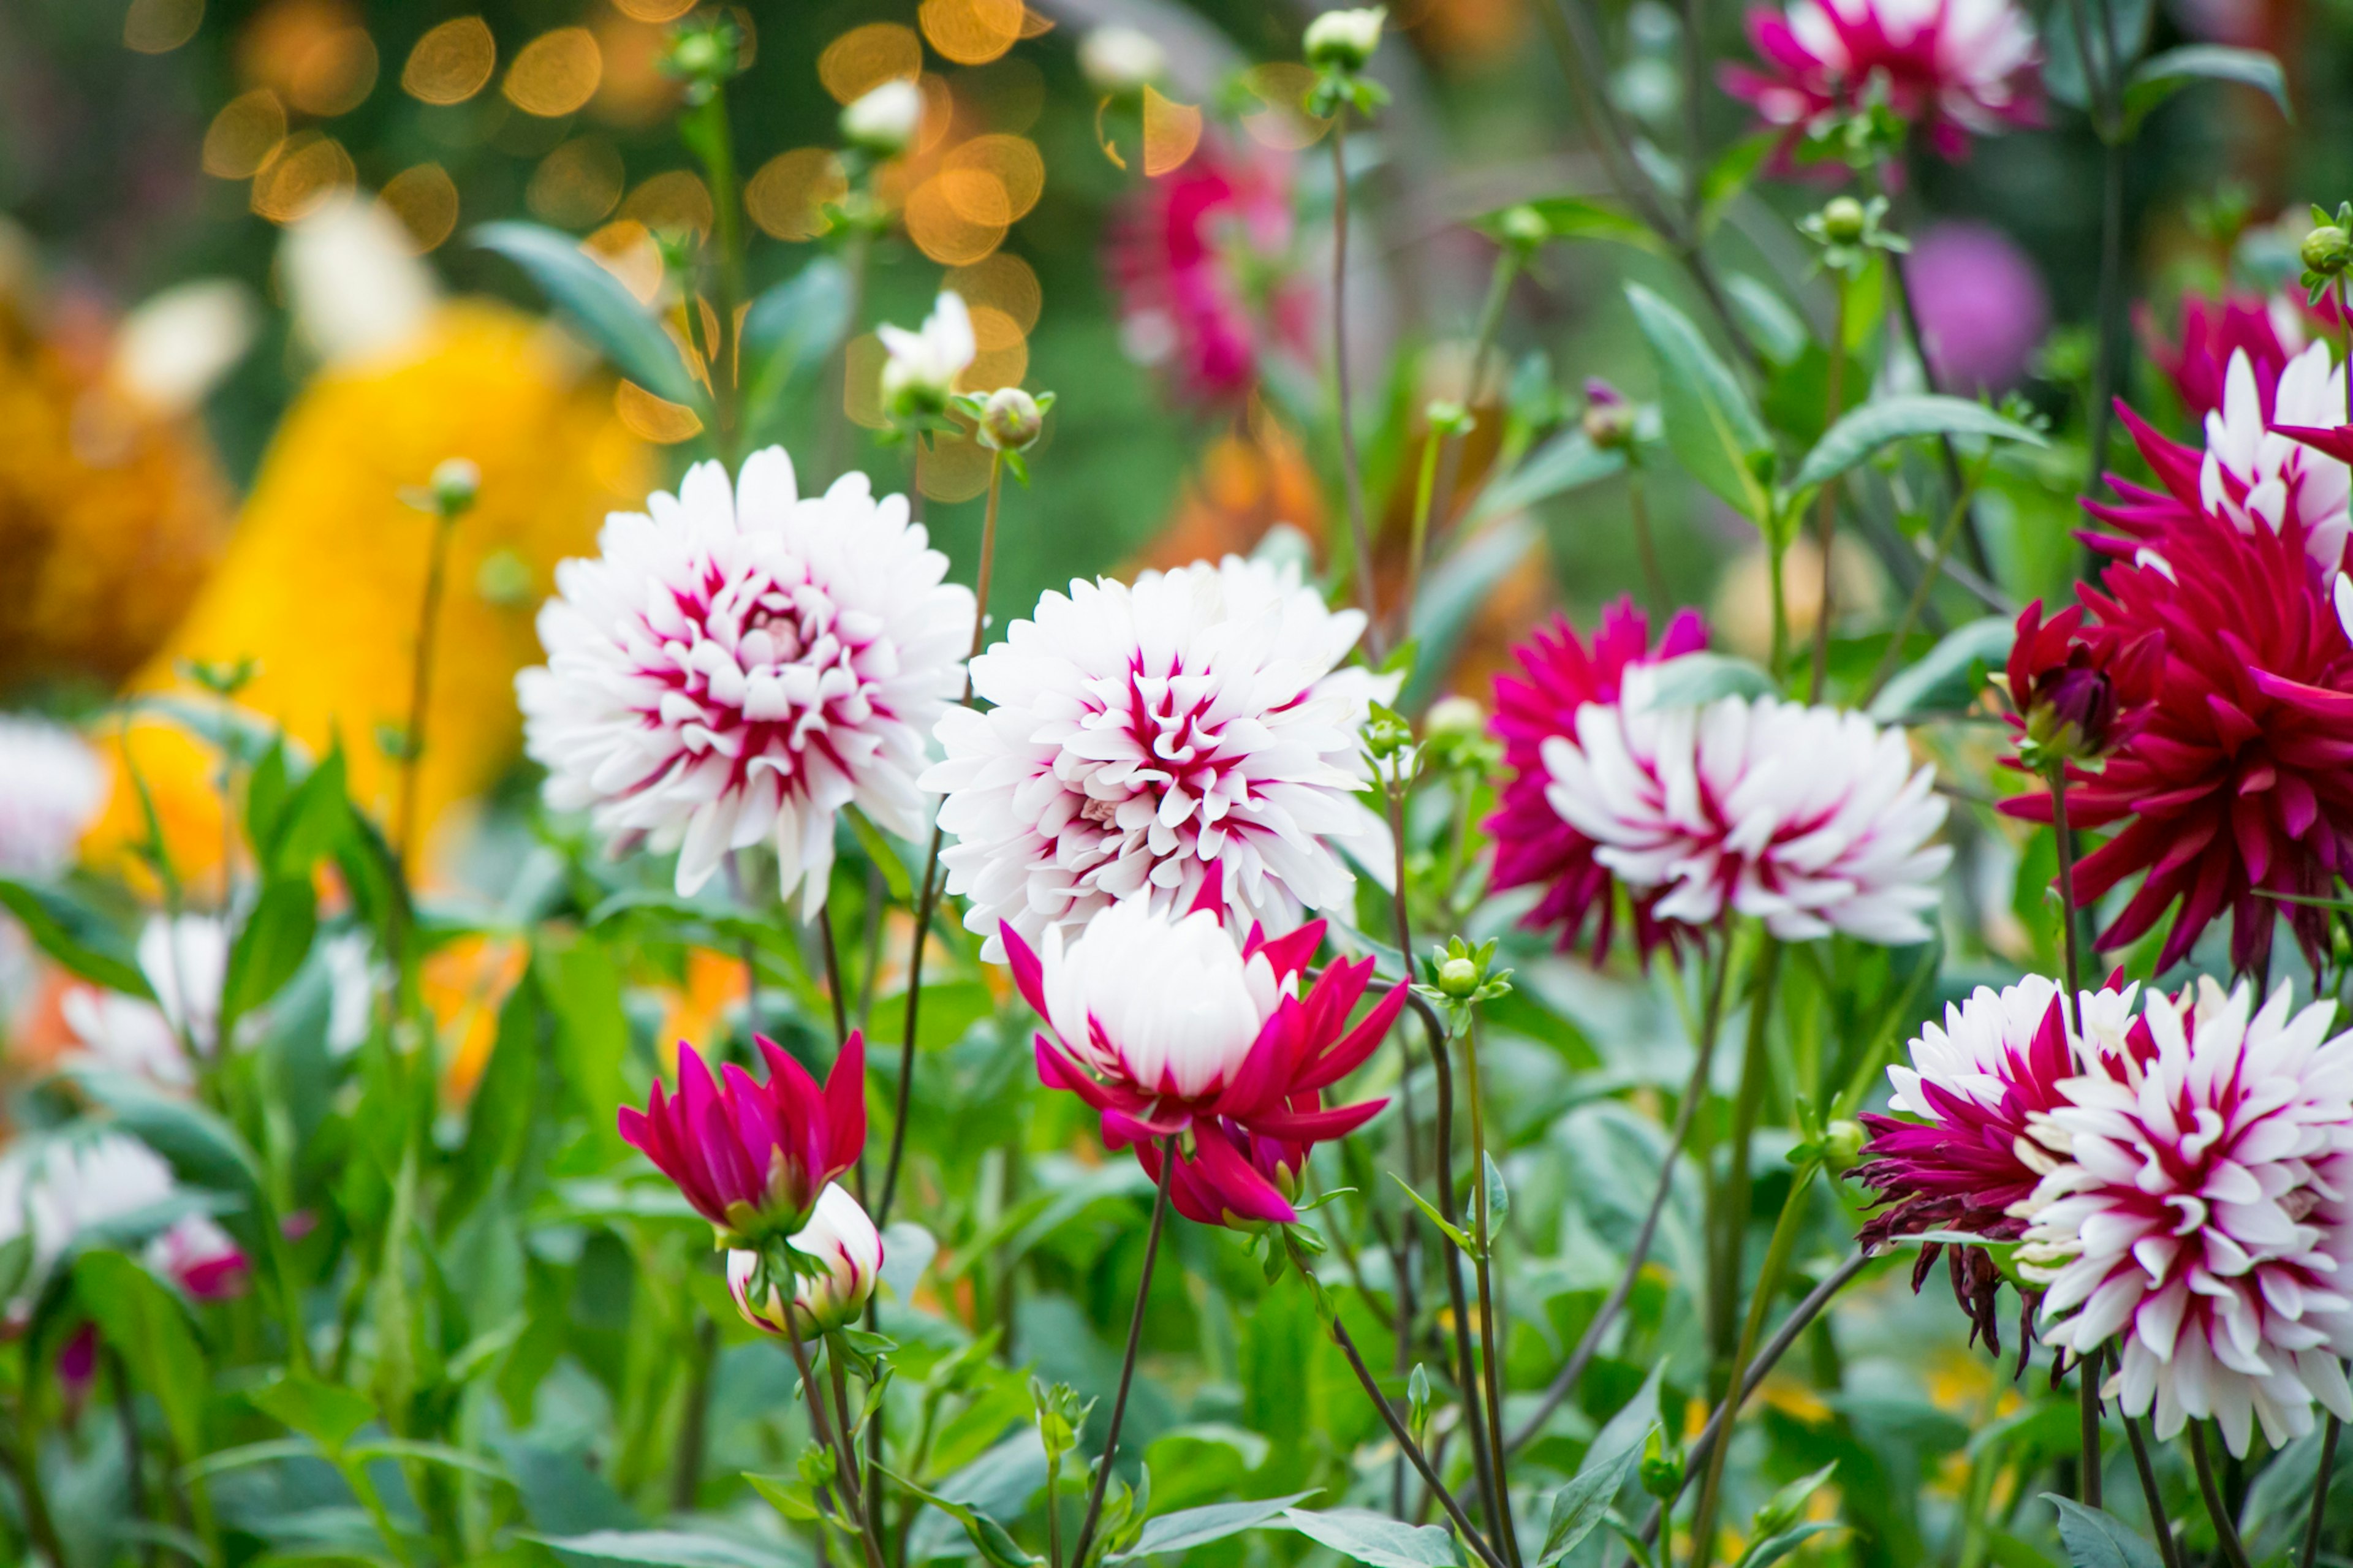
1982 305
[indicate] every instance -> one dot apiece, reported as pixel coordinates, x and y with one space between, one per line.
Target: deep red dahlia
2211 330
1533 847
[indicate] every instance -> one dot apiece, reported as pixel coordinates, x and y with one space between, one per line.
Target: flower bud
2327 250
1663 1467
1522 228
1841 1143
1121 60
1455 716
455 484
883 122
1011 420
1344 40
1843 220
848 1248
1458 977
1608 419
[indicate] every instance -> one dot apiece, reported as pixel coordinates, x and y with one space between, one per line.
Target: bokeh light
952 467
993 179
863 59
653 10
451 62
654 418
425 200
861 381
939 226
577 184
555 73
625 248
1283 123
1171 132
1003 283
309 171
674 200
336 74
972 32
244 134
159 26
636 91
1003 352
787 196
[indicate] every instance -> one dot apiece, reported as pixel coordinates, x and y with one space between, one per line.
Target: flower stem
1965 492
420 688
2166 1547
1654 576
2320 1490
1728 1223
927 901
1696 1090
856 250
1425 488
845 1459
1128 1362
2226 1529
1484 1271
713 141
2064 834
1360 532
1826 509
2088 1405
1482 344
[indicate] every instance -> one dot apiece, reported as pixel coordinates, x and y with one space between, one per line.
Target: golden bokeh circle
941 232
159 26
425 200
335 74
555 73
244 134
577 184
675 199
451 62
1282 122
863 59
972 32
655 420
788 197
952 467
1003 352
862 382
309 171
1012 163
1003 283
653 10
1171 132
625 248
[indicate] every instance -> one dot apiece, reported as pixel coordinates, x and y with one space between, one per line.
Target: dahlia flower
61 1189
1534 844
920 368
2077 694
1952 68
2235 787
51 785
2203 1213
741 664
753 1158
1146 738
2214 332
1169 1031
847 1251
1810 819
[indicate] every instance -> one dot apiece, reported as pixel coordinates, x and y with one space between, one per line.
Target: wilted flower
848 1250
1145 738
740 665
1117 60
883 121
922 367
2213 331
1951 69
57 1189
1534 844
2076 695
1158 1021
1982 306
2203 1214
1810 819
1346 40
750 1157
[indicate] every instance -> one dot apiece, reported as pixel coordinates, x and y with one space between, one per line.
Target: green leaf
1778 330
886 858
1711 424
663 1549
1732 172
1451 596
1772 1548
1371 1539
1569 461
1190 1526
789 1495
583 990
621 329
791 331
2096 1538
271 946
1886 420
1453 1233
2063 68
328 1413
1589 218
996 1545
1945 680
203 1149
1579 1508
16 1263
76 935
143 1320
1499 1194
430 1454
1695 680
2160 77
316 818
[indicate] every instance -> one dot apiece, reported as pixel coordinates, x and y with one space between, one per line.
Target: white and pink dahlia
1143 739
2252 473
740 663
846 1254
1810 819
1953 69
2205 1213
57 1190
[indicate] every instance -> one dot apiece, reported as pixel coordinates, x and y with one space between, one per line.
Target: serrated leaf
2096 1538
1580 1508
1711 423
1453 1233
2161 76
1190 1526
1941 682
624 330
1889 419
1695 680
1373 1540
76 935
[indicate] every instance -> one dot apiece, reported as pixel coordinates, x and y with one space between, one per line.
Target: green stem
713 141
1826 509
1929 576
845 1459
1128 1362
1483 1271
1360 532
1728 1224
2226 1529
421 688
1482 344
2166 1547
2314 1520
1773 564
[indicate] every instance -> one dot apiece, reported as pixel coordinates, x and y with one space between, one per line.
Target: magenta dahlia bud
753 1157
1168 1030
2203 1215
2076 695
844 1259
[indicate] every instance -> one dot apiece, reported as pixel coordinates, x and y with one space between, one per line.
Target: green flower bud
1523 228
1662 1468
2327 250
1841 1144
1843 220
1458 978
1010 419
455 484
1454 716
1344 40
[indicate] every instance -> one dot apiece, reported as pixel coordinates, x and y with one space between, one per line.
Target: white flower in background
52 786
174 348
883 121
2205 1213
922 367
1810 819
1143 738
127 1034
740 665
840 1235
1118 61
358 289
185 960
1344 38
56 1190
2250 472
354 979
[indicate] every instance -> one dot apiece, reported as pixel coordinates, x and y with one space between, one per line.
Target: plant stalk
421 688
1484 1271
2312 1523
1482 344
845 1458
2226 1529
1728 1230
2166 1547
1128 1362
1411 1449
1826 509
1918 602
1359 531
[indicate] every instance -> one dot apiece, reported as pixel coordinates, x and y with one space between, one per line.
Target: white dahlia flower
2205 1213
51 786
56 1190
1143 737
740 665
921 367
842 1239
2252 472
1812 819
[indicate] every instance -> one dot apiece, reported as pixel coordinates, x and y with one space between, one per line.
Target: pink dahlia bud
2202 1212
2076 695
752 1157
1168 1030
840 1258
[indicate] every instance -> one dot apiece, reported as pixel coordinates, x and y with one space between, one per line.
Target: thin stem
845 1459
1425 488
1054 1513
1360 532
927 902
1729 1231
2105 368
1654 576
1913 607
2312 1523
1411 1449
1401 918
1483 344
1780 645
1826 509
2152 1497
2226 1529
420 688
1405 1257
1695 1091
2064 834
1694 94
1128 1362
709 135
2088 1408
686 1467
1483 1269
2344 342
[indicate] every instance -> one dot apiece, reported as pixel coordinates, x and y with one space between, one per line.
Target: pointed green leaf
1945 680
2096 1538
1190 1526
76 935
624 330
1453 1233
143 1320
1579 1508
2160 77
1376 1541
1886 420
328 1413
1711 424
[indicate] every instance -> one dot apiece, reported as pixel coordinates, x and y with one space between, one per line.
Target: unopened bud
1523 227
455 484
1610 426
2327 248
1841 1143
1344 40
1663 1467
1010 419
1843 220
1454 716
1458 977
883 122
